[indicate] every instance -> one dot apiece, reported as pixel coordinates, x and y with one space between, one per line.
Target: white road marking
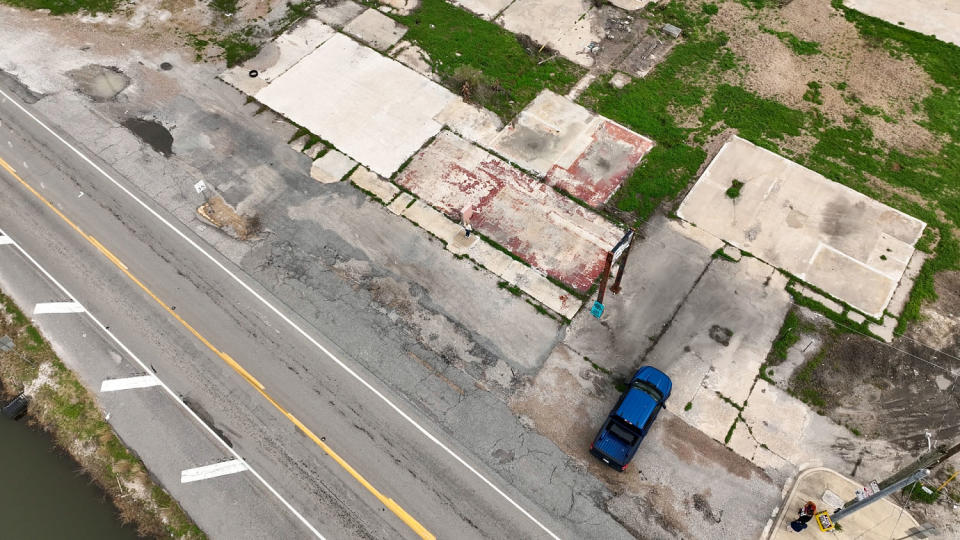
212 471
57 307
286 319
169 391
129 383
5 241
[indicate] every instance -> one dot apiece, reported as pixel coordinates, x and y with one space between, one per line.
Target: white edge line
168 390
5 240
286 319
129 383
212 471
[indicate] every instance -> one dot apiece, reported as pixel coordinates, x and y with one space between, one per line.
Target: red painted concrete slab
537 224
598 172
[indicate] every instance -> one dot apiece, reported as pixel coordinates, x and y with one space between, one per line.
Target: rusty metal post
606 276
615 289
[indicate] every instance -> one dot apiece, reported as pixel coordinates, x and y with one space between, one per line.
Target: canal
44 495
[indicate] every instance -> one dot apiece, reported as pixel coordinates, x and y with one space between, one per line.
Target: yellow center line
386 501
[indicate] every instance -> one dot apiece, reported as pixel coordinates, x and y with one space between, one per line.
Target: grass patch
512 289
734 190
797 45
803 384
813 94
66 409
688 406
503 74
66 7
791 330
238 47
225 7
918 492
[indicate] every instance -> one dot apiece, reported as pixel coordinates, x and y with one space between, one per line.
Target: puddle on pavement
100 83
152 133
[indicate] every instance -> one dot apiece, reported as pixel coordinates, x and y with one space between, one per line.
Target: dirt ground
846 58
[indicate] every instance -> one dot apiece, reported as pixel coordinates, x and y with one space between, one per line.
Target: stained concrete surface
582 153
342 81
375 29
835 238
567 26
484 8
938 17
545 229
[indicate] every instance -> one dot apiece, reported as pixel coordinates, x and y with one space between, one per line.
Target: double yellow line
386 501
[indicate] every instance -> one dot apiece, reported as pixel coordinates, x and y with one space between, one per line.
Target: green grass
797 45
460 43
793 327
688 406
734 190
65 7
916 493
238 47
698 79
226 7
803 385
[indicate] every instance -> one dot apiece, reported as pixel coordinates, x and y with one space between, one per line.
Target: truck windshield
622 433
650 389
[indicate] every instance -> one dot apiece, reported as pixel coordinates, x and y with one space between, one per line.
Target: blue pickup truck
631 418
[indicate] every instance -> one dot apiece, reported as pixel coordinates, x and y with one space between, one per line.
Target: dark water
43 495
152 133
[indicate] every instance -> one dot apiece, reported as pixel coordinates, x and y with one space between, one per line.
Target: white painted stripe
5 240
129 383
212 471
173 395
293 325
57 307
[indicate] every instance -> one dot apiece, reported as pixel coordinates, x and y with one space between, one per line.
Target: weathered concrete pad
537 224
331 167
581 153
471 122
370 182
843 242
291 47
662 270
487 9
631 5
567 26
338 14
373 108
720 337
375 29
938 17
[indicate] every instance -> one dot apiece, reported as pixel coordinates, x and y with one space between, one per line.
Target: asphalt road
188 313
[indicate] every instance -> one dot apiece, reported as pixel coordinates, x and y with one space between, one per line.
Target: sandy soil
872 76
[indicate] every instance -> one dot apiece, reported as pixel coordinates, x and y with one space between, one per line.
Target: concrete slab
817 297
284 52
414 58
471 122
375 29
338 13
777 420
331 167
401 6
708 413
631 5
721 335
881 520
400 203
487 9
885 330
663 268
342 81
581 153
370 182
567 26
843 242
545 229
315 150
495 261
902 292
938 17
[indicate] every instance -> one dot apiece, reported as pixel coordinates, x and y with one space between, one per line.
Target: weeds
66 7
505 75
734 190
797 45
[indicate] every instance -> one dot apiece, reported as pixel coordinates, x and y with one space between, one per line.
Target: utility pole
913 472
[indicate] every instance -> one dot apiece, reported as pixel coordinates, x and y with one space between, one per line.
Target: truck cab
631 418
